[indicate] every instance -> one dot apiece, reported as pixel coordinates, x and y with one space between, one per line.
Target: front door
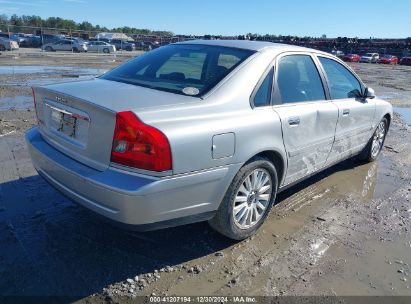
355 114
308 120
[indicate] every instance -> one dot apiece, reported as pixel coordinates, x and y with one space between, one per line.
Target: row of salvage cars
77 45
376 58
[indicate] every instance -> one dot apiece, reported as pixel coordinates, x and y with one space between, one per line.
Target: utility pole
42 39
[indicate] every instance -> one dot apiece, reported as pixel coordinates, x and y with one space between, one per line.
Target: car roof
249 45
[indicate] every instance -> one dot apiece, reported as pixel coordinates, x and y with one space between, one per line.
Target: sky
350 18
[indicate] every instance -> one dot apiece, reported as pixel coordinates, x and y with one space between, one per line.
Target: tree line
61 23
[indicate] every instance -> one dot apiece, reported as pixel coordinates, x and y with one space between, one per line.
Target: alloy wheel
252 198
378 139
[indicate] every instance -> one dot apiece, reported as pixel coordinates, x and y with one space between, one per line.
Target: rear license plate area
64 122
67 123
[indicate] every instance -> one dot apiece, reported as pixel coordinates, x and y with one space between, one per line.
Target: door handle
346 112
294 121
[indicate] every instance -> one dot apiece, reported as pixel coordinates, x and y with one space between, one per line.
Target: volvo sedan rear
203 130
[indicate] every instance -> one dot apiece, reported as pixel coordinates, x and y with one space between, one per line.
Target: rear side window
342 83
263 95
187 69
298 79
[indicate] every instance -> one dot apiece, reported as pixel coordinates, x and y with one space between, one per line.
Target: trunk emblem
61 99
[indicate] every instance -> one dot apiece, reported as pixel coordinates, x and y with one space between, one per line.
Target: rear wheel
248 200
48 49
2 48
106 50
374 146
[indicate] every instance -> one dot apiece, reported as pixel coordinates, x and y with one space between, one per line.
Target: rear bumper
130 198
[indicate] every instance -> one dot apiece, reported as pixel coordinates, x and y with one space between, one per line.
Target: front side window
298 79
186 69
342 83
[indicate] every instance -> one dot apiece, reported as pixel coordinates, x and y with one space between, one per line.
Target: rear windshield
185 69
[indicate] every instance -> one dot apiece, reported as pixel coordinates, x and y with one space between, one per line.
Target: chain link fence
43 39
36 39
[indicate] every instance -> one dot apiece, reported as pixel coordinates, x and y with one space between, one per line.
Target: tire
49 49
2 48
237 224
75 50
106 51
376 142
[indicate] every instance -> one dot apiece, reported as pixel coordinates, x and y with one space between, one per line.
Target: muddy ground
343 232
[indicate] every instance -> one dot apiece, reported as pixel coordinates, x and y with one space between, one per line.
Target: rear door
308 119
58 46
67 45
355 114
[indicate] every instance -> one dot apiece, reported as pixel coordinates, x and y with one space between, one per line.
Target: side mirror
369 93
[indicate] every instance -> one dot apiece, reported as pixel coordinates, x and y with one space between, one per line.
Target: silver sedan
100 47
203 130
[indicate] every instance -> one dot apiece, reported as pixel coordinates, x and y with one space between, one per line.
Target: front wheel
374 146
248 200
106 51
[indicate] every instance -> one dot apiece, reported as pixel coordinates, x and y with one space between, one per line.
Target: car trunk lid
78 118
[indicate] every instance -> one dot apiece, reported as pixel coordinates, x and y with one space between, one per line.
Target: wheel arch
278 161
388 117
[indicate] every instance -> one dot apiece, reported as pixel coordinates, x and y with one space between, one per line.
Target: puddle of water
45 80
20 102
46 74
318 248
405 114
32 69
390 95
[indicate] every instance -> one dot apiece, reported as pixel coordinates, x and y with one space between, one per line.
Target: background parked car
143 46
27 40
5 35
19 39
406 60
123 44
388 59
66 45
8 44
47 38
151 45
100 47
370 57
351 58
337 53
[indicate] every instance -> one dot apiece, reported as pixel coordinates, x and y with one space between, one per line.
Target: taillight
138 145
